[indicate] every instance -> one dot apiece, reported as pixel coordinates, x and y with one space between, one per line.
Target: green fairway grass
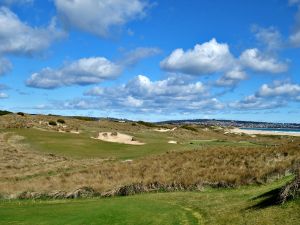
83 146
211 206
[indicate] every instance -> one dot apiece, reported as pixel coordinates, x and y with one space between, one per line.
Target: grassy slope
212 206
82 146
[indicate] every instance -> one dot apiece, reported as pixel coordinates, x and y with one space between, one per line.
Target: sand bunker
172 142
165 130
118 138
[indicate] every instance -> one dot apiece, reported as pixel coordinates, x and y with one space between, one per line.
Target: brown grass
24 170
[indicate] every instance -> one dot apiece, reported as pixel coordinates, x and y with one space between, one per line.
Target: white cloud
134 56
99 16
3 95
293 2
294 38
279 89
257 61
140 94
134 102
278 94
232 77
253 102
5 66
81 72
19 38
206 58
270 37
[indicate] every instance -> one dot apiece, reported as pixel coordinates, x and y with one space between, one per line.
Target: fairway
211 206
83 146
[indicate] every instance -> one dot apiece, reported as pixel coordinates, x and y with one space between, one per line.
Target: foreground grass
212 206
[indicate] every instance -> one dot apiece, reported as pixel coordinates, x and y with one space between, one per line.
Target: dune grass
211 206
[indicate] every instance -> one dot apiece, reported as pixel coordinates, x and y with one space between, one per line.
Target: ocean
274 129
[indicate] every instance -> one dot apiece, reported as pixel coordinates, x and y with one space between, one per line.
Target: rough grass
210 206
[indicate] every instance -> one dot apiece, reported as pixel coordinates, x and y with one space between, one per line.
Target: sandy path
117 138
253 132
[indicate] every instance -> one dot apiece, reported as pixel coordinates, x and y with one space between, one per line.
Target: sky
152 60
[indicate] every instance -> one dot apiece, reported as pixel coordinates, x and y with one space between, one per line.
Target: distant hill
4 112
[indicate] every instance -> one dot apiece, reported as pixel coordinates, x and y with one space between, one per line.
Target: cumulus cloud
5 66
286 89
232 77
257 61
206 58
99 16
81 72
18 38
172 94
253 102
278 94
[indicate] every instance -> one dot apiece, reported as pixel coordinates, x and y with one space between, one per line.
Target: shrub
21 114
147 124
52 123
189 128
61 121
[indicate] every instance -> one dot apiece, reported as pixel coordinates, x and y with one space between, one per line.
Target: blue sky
152 60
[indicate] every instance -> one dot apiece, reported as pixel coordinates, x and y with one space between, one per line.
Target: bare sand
117 138
172 142
263 132
165 130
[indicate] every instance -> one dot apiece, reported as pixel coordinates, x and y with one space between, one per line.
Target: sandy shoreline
263 132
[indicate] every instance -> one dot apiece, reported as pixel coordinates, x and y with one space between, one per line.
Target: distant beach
267 131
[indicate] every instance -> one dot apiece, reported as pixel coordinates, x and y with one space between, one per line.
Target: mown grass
83 146
211 206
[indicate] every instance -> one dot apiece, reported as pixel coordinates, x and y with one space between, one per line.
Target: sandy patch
165 130
263 132
172 142
74 132
118 138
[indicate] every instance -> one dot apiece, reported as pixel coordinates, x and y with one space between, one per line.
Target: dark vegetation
147 124
61 121
52 123
187 127
4 112
21 114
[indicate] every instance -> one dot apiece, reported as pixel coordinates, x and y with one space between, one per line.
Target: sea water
291 130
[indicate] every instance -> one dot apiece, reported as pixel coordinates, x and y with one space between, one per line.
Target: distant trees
21 114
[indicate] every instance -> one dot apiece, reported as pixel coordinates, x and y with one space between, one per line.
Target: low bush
21 114
189 128
147 124
61 121
52 123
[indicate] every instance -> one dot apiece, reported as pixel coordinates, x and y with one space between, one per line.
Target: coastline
263 132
